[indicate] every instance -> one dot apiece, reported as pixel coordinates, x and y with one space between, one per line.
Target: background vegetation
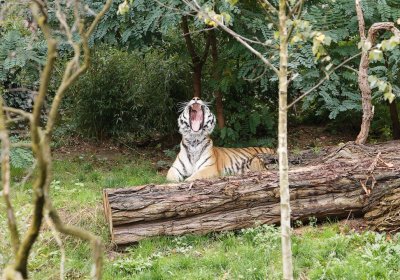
142 70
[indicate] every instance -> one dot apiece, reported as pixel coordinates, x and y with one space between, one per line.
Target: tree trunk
338 182
282 145
368 42
217 77
197 69
197 61
367 108
394 116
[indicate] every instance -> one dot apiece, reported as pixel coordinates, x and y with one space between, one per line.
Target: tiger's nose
196 99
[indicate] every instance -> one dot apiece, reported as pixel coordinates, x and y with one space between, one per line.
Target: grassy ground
328 251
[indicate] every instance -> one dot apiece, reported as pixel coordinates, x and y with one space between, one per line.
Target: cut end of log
107 213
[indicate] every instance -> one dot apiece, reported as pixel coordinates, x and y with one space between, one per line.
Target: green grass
323 252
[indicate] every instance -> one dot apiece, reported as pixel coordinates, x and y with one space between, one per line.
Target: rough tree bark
394 116
219 108
197 61
337 182
368 40
282 144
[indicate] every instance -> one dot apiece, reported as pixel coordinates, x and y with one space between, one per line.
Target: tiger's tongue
196 117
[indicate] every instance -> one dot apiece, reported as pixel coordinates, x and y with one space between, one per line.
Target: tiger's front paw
174 176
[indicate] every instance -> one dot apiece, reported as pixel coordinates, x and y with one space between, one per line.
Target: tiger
198 158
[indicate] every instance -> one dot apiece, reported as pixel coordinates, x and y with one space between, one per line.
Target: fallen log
335 182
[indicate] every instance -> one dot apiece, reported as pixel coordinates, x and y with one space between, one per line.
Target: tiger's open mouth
196 117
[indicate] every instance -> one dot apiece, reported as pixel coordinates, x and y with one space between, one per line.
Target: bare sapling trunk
282 144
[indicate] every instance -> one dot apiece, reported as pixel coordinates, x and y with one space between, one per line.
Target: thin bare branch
361 22
41 141
196 7
351 69
63 21
268 13
323 80
28 174
96 20
5 178
94 241
70 77
290 12
177 10
295 8
258 77
200 31
21 89
60 244
21 145
15 120
299 6
270 7
257 41
19 112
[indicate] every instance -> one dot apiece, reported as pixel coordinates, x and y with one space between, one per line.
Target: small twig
21 145
200 31
299 5
351 68
270 7
367 192
373 165
290 13
5 178
389 165
293 77
15 120
258 77
21 89
296 7
19 112
28 175
94 241
57 237
177 10
196 7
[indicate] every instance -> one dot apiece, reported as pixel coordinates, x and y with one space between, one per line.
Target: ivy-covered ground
332 250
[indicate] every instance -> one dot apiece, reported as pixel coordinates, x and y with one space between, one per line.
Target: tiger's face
196 118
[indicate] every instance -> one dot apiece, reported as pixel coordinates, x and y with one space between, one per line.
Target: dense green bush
128 93
249 121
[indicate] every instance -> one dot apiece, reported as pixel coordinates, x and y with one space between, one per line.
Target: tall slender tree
198 60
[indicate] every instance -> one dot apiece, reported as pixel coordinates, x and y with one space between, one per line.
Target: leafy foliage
20 157
128 93
21 55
